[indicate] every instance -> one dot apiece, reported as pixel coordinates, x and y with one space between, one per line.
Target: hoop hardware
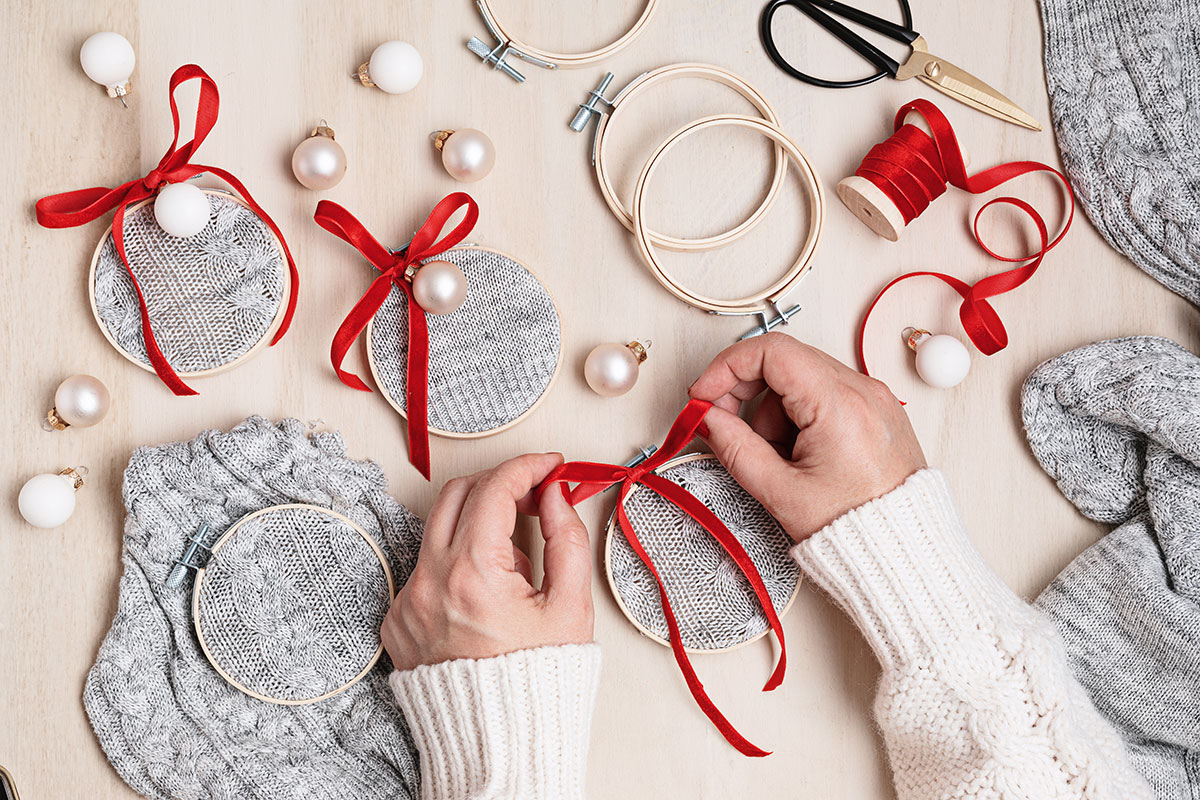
186 562
767 324
496 55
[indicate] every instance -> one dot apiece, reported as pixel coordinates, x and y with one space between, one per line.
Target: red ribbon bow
595 478
70 209
912 169
392 268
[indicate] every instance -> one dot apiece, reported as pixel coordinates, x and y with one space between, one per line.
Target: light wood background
282 66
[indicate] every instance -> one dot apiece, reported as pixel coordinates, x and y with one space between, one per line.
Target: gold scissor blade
963 87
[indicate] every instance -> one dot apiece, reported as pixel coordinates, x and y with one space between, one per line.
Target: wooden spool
868 202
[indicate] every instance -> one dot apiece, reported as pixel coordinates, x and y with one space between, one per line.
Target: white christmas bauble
942 360
440 287
395 67
47 501
468 155
181 209
107 58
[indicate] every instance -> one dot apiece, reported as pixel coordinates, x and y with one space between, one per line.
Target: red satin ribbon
70 209
912 169
591 479
392 267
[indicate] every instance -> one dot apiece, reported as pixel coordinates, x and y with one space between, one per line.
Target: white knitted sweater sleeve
976 699
513 726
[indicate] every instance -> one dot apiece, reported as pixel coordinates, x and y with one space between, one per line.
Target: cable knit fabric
1124 81
1117 425
512 727
976 699
170 725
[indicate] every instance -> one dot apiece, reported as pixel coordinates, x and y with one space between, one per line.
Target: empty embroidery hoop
491 363
314 566
564 60
233 330
643 84
730 616
766 298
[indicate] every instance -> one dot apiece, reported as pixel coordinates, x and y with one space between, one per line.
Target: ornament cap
75 475
914 336
363 74
53 422
639 349
439 139
322 129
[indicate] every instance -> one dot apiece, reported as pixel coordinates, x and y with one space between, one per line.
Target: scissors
936 72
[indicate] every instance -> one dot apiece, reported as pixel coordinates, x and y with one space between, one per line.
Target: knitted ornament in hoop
288 607
71 209
714 604
214 298
471 372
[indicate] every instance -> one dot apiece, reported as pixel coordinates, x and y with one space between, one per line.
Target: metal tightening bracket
192 559
767 322
497 55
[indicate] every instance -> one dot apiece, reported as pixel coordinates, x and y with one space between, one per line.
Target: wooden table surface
284 65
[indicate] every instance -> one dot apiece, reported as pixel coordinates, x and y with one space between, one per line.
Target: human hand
825 439
471 594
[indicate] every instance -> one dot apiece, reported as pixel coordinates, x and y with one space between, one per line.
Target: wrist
515 725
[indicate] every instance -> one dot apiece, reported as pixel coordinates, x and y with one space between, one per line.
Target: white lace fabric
714 604
490 361
211 297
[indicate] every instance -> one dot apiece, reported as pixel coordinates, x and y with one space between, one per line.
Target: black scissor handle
886 64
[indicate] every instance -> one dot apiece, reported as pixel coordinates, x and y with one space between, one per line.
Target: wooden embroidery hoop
246 356
387 571
511 423
614 529
767 298
563 60
648 81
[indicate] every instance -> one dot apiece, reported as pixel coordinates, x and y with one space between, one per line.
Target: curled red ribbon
912 169
70 209
393 267
592 478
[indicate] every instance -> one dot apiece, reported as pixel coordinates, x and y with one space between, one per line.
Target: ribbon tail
416 386
689 504
157 359
740 743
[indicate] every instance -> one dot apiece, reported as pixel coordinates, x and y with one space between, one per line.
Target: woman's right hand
825 439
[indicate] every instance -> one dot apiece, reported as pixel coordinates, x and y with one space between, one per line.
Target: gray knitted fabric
1124 80
211 297
1117 425
170 725
491 360
713 602
291 604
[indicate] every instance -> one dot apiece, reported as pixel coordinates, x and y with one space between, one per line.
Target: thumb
567 559
750 459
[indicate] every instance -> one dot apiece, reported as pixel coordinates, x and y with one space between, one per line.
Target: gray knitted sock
1124 81
1117 425
170 725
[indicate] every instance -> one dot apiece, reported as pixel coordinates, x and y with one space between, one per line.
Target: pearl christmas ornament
439 287
942 361
47 501
394 67
181 209
80 401
318 162
611 370
468 155
108 59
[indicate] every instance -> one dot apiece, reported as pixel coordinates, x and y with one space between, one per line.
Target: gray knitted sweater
1117 424
170 725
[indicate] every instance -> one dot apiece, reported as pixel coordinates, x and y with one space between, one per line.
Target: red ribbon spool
913 168
71 209
592 478
392 268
